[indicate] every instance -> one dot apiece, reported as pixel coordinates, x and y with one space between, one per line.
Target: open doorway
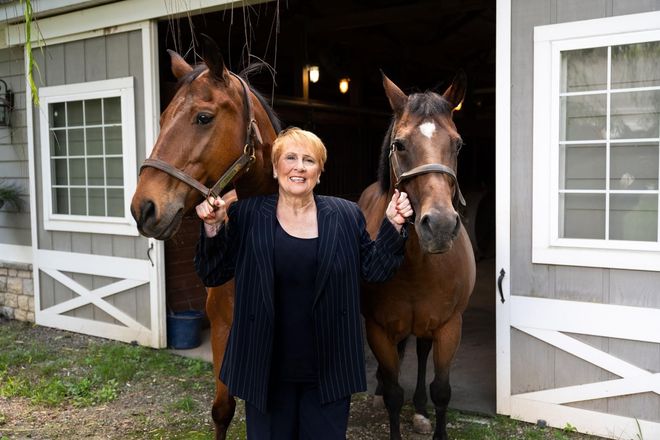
420 45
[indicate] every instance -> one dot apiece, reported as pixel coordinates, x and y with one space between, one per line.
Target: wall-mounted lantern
314 74
6 104
343 85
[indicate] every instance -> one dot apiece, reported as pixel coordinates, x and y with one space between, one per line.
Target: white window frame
549 42
119 87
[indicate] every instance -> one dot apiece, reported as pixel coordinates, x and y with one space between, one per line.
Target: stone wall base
16 291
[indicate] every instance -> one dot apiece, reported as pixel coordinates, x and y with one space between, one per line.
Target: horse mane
424 105
245 73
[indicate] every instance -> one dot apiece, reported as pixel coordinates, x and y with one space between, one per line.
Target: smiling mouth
297 179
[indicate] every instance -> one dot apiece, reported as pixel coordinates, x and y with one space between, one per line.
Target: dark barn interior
420 45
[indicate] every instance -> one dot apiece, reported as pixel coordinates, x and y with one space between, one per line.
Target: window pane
58 114
59 172
93 112
95 172
584 69
582 216
76 142
60 201
635 115
96 201
634 166
583 167
115 202
112 140
74 113
636 65
583 117
114 171
634 217
78 201
76 172
58 143
112 110
94 141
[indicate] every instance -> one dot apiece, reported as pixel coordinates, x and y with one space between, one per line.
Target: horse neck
259 179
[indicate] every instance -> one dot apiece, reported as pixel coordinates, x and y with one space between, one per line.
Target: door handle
151 248
499 284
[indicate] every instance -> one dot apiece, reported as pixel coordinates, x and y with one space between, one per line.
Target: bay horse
430 291
216 125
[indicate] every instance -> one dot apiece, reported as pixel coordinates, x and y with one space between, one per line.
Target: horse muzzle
154 222
437 229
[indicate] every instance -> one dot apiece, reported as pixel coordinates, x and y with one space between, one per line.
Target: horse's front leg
386 354
445 344
421 422
219 309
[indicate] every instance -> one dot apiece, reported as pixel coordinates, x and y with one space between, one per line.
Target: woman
295 352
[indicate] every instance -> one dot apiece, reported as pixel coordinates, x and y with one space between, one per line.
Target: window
88 156
597 143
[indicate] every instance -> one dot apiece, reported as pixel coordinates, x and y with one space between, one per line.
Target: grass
161 395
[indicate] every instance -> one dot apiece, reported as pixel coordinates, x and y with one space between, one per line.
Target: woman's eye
204 118
309 160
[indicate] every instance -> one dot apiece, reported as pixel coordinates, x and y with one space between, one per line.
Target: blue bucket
183 329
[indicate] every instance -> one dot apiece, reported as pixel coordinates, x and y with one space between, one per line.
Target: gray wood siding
112 56
14 164
536 365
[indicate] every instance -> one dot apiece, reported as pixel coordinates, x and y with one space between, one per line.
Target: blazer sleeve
381 257
215 257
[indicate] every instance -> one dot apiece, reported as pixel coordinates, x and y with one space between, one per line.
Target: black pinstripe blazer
346 254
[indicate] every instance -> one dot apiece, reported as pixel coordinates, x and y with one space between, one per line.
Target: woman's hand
213 211
398 209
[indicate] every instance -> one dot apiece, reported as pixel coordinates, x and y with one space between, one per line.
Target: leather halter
241 165
400 177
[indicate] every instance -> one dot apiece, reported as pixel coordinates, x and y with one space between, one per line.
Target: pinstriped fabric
346 255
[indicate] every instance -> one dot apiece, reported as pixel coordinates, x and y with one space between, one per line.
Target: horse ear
213 59
456 91
179 66
394 94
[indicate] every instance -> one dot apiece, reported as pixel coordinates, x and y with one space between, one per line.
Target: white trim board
12 253
503 202
107 16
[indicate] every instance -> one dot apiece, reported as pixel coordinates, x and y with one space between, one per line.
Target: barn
560 171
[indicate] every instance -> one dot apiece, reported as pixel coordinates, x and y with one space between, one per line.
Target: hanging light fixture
6 104
343 85
313 73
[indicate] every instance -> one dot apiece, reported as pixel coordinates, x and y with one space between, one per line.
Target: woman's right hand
212 211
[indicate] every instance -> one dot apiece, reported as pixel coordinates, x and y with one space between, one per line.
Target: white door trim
503 202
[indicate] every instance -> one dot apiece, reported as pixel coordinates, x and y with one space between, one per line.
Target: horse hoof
378 402
422 425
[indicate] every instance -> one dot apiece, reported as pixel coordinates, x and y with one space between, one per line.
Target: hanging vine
28 15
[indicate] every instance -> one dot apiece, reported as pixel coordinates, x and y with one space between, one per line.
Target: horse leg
219 309
421 422
378 394
445 344
386 354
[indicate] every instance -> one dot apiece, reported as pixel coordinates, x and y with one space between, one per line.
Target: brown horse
212 121
430 292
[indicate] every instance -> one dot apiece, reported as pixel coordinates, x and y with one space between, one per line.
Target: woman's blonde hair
297 135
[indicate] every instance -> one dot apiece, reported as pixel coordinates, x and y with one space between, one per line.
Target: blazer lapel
327 244
263 238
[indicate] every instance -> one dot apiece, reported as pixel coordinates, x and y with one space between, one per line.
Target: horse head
203 131
420 153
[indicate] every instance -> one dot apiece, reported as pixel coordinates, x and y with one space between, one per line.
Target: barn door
94 274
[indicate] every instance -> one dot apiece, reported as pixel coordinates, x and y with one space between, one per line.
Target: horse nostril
148 210
457 227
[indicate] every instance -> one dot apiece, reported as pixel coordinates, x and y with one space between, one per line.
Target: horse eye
398 146
204 118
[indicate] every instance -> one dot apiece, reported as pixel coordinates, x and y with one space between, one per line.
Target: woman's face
297 170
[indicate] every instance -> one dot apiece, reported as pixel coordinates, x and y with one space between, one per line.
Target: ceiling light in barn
313 73
343 85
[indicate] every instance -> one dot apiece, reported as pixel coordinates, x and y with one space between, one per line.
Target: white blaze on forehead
427 129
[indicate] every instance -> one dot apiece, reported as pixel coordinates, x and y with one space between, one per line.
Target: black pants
295 412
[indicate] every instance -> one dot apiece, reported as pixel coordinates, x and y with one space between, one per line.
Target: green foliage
29 18
10 194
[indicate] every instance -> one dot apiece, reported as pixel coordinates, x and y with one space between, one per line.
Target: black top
295 266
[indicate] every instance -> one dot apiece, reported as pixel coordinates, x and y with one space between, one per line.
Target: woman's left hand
398 209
